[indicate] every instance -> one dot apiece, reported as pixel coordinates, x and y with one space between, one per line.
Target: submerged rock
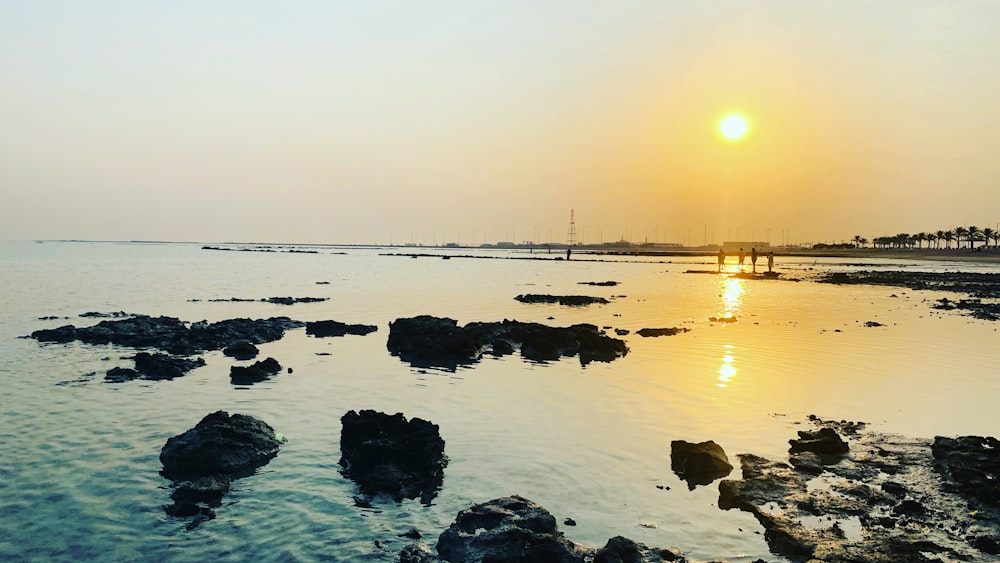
241 350
433 341
653 332
321 329
569 300
259 371
390 455
699 464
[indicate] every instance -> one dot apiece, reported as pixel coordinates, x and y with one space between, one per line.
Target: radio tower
571 237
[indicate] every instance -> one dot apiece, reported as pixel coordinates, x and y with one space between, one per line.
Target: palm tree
931 237
988 235
948 236
858 240
996 239
940 237
973 235
960 233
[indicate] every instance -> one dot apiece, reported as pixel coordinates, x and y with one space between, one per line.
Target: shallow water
79 477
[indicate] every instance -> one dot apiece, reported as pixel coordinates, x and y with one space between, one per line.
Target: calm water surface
79 472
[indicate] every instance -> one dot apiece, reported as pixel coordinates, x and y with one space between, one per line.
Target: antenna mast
571 237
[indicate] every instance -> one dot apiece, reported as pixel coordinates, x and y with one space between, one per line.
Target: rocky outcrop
823 442
699 464
516 530
241 350
205 459
322 329
569 300
973 463
255 373
154 367
507 529
440 342
654 332
172 335
887 499
390 455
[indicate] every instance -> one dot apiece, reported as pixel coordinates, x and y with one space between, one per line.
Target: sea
79 457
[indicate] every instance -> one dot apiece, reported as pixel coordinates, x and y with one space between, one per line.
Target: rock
322 329
824 441
920 515
259 371
170 334
417 553
603 283
722 319
121 375
698 464
806 462
199 497
241 350
508 529
294 300
162 366
439 342
570 300
623 550
569 522
973 462
220 445
653 332
387 454
872 324
431 341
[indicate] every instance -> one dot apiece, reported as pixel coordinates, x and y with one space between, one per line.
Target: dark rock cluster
655 332
570 300
440 342
321 329
204 460
912 500
172 335
254 373
390 455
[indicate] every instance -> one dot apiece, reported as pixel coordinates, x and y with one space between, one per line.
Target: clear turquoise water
79 471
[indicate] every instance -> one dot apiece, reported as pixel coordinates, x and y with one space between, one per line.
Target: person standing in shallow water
770 261
753 259
742 256
722 259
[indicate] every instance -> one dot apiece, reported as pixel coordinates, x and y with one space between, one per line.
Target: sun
734 127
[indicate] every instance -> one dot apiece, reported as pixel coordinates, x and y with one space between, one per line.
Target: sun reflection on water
727 370
732 296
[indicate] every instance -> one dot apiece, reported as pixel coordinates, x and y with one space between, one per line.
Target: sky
470 122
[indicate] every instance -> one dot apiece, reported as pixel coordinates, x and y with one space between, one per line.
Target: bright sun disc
734 127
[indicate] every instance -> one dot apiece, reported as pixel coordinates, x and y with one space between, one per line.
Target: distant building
735 246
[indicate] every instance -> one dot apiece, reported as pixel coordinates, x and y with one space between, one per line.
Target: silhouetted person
568 251
722 259
770 261
753 259
742 256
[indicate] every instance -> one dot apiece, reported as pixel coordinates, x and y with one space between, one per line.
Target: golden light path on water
732 298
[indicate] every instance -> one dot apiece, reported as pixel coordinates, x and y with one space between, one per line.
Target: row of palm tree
970 235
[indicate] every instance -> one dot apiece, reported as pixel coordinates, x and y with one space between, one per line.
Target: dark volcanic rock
259 371
121 375
170 334
698 464
241 350
570 300
973 462
648 332
387 454
294 300
623 550
906 502
162 366
608 283
434 341
220 445
824 441
510 529
322 329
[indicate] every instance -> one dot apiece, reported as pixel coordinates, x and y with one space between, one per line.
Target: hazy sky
316 121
